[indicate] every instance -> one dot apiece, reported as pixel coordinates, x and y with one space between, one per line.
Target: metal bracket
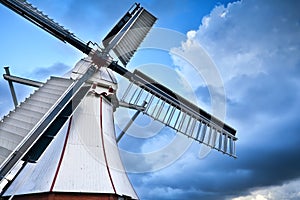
132 106
11 87
131 121
10 79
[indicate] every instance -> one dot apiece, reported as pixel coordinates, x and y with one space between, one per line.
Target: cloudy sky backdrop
255 46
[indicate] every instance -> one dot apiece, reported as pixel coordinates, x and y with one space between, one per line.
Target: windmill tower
61 139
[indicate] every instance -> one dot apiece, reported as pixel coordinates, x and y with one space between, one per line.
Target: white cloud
251 38
205 22
252 43
255 46
191 34
286 191
252 197
198 70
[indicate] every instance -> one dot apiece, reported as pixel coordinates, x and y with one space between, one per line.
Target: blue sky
255 46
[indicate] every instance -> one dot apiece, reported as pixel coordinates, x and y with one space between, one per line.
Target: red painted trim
102 138
62 155
113 118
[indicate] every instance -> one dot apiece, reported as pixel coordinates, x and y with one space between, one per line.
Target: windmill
63 134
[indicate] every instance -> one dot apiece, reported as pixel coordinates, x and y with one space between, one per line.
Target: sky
255 49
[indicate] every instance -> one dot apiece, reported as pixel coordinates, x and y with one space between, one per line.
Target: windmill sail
28 130
176 112
21 127
128 34
120 25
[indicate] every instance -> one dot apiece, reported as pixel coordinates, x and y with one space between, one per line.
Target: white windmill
63 134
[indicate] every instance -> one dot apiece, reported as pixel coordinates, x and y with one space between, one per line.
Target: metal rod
199 129
147 94
203 132
177 119
193 126
132 106
230 146
11 87
188 125
166 113
220 142
127 91
181 122
171 115
23 81
214 138
209 135
225 143
130 122
160 109
138 96
155 107
233 144
149 104
137 88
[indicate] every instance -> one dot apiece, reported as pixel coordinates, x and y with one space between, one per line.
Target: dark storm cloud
264 161
264 101
256 46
